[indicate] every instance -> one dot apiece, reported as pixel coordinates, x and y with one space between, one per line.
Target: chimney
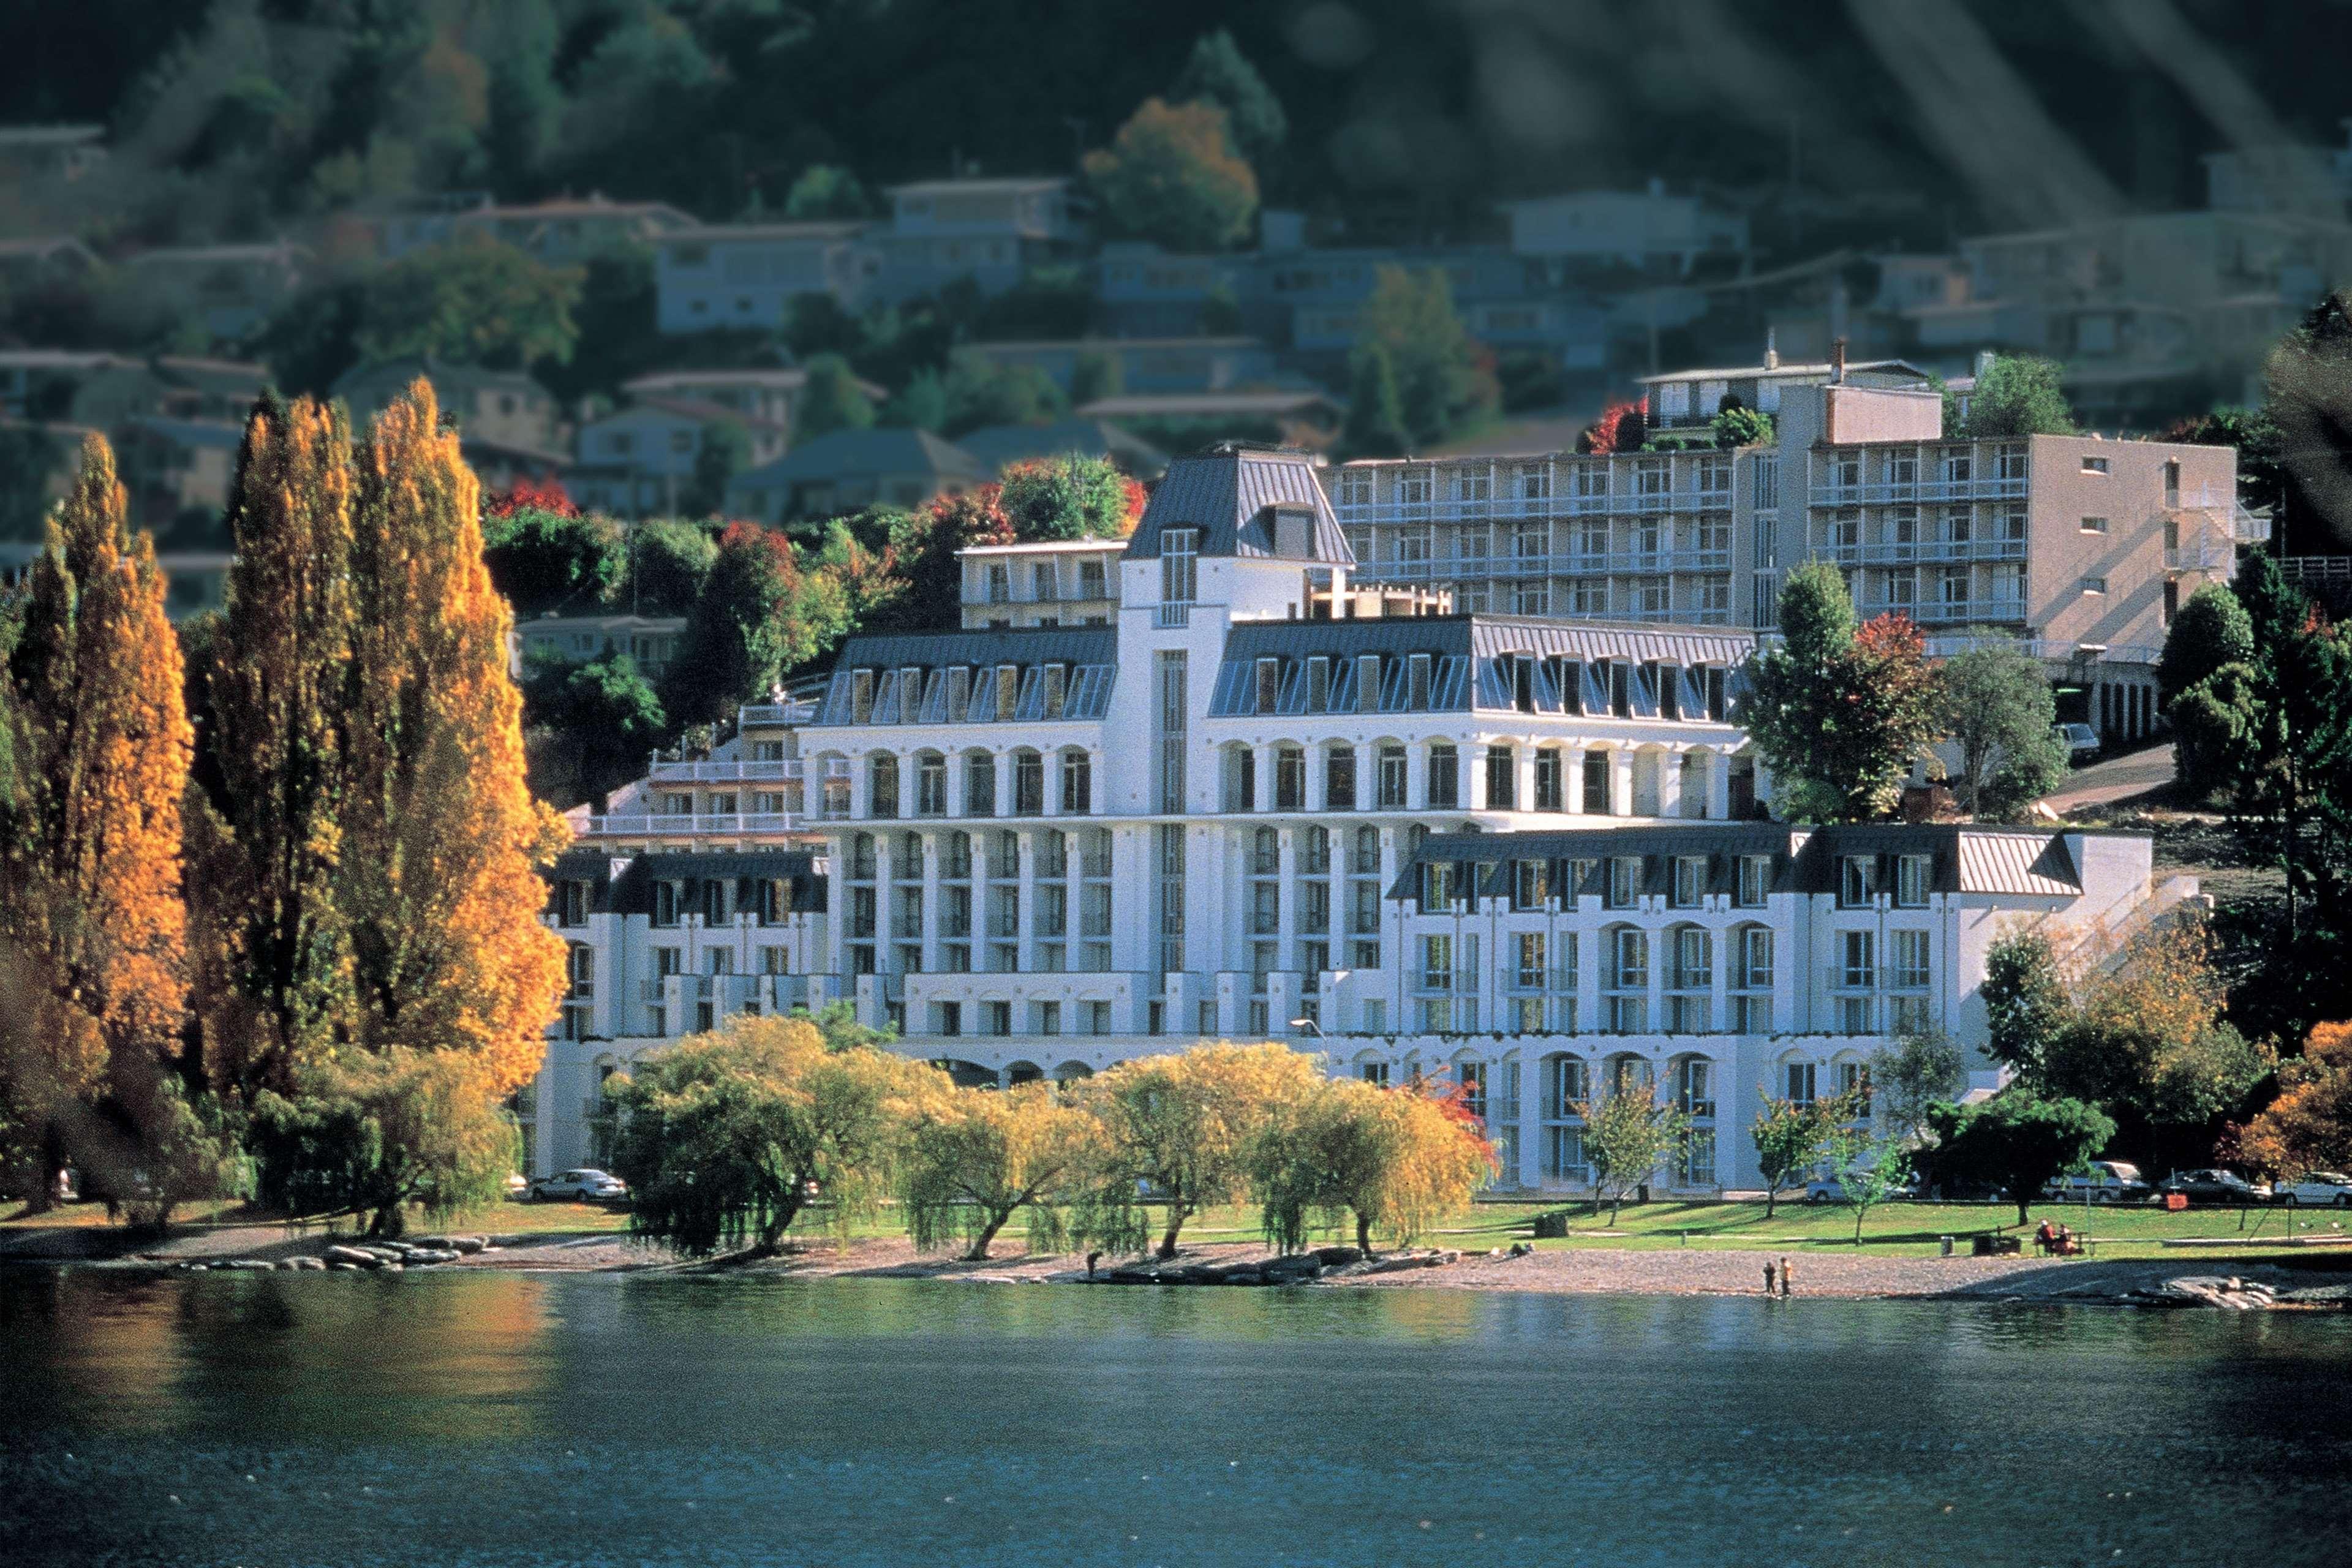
1772 349
1837 361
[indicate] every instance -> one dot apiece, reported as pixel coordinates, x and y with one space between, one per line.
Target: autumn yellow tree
1181 1126
975 1158
2309 1126
1399 1160
272 960
90 840
440 837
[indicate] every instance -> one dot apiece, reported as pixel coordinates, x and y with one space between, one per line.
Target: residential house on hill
1000 445
842 470
1143 365
640 461
51 151
993 231
750 274
29 264
233 289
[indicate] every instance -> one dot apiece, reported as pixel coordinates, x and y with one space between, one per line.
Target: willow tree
1182 1127
1397 1160
91 839
274 964
975 1158
440 837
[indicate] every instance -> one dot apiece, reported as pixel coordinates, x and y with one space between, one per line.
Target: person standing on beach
1768 1277
1784 1277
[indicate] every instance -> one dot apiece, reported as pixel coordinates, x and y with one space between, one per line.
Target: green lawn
1901 1228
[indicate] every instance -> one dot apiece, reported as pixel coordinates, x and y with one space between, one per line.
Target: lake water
515 1419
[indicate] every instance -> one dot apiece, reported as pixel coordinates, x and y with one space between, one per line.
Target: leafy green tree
725 1136
832 400
2213 629
1839 713
2255 436
1996 705
826 191
2017 1142
759 617
542 560
472 301
1628 1136
370 1134
979 390
920 405
1069 496
1375 423
2025 999
606 714
1741 426
923 545
2020 395
2294 783
1399 1160
1095 376
1171 176
1790 1137
669 562
725 452
1441 381
1870 1169
1218 72
28 457
1918 1069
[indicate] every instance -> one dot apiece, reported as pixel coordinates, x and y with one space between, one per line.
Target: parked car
2106 1182
517 1186
2082 743
2329 1189
585 1186
2215 1187
1830 1190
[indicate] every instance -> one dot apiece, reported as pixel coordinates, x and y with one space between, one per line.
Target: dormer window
1178 564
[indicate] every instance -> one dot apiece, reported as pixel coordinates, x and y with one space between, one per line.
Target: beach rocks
2232 1294
1291 1268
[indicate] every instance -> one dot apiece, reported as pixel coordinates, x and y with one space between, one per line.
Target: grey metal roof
1639 643
997 445
881 449
1721 842
981 644
2028 863
1230 495
632 891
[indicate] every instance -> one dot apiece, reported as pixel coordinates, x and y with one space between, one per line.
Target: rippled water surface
489 1419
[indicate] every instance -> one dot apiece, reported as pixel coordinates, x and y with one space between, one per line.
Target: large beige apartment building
2079 547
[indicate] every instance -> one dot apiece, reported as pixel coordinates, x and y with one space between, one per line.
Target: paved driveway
2115 779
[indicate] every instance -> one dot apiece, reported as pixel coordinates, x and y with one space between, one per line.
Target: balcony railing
1886 492
632 825
732 771
1948 612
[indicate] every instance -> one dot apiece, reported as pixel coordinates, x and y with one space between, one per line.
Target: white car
585 1185
2081 741
2106 1182
2324 1189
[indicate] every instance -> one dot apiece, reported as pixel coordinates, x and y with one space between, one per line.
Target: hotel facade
1245 796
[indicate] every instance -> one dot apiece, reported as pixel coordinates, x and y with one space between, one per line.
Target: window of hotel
1548 777
1530 884
1799 1083
1690 881
861 695
1911 960
1858 966
1911 878
1502 776
1178 566
1857 880
2095 525
932 784
1624 881
1440 879
979 785
1289 779
1392 778
1444 777
2095 465
2094 585
1028 783
1339 778
1078 783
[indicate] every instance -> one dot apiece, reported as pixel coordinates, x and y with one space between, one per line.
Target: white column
1416 777
1531 1171
1718 784
931 903
1026 959
1049 798
1004 765
1670 784
1763 781
861 788
1571 779
1621 780
1523 772
1318 795
1262 757
1097 783
1286 930
1368 778
958 796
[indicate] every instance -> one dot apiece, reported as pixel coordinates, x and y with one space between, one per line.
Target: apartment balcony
734 770
2205 553
1888 492
1949 612
684 824
1172 617
1924 552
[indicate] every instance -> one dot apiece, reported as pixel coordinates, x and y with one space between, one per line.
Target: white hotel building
1259 802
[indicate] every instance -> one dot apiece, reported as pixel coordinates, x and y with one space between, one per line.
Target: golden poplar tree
93 888
442 837
273 963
